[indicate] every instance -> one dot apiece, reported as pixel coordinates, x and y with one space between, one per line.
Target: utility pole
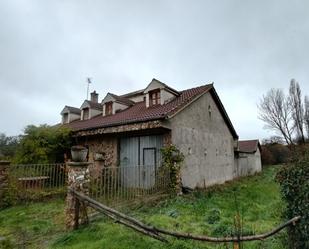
88 83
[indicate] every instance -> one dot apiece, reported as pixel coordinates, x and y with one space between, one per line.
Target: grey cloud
48 48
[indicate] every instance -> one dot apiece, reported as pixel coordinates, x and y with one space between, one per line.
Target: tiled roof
94 105
139 112
248 146
131 94
122 100
72 109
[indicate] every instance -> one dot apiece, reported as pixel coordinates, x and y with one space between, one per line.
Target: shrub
275 154
43 144
172 160
294 182
213 216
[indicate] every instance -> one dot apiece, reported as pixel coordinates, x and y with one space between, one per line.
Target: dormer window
109 108
85 114
154 97
158 93
113 104
69 114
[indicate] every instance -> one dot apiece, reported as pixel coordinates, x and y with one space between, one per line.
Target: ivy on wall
172 160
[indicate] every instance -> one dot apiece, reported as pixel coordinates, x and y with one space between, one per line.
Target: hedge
294 183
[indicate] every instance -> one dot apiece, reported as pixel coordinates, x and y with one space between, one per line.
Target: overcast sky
48 48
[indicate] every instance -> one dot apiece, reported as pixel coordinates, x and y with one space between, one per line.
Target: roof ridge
205 85
139 112
121 99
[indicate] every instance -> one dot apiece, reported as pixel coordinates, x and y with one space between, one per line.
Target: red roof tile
248 146
139 113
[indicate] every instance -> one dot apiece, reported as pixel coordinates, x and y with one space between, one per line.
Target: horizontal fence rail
158 233
35 178
125 183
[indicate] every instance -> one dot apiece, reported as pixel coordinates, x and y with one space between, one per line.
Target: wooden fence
160 234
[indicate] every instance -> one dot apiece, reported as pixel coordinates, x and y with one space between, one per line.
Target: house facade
129 130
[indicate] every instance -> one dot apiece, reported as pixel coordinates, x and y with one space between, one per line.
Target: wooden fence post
4 181
236 245
78 179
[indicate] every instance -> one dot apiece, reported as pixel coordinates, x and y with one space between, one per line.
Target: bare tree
306 115
295 99
276 112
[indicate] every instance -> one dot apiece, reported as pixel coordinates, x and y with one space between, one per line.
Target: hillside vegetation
211 212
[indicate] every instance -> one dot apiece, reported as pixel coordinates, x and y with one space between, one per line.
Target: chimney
94 97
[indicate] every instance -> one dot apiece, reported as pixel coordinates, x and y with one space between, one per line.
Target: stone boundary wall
78 179
4 181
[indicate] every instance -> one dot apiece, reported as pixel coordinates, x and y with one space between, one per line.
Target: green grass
210 212
32 225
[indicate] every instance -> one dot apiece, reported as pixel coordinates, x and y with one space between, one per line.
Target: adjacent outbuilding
248 157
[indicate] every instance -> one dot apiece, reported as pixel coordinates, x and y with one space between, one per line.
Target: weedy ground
211 212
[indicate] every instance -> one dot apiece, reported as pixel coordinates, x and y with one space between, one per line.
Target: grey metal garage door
139 160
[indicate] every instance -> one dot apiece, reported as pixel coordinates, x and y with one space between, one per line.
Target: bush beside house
294 182
43 144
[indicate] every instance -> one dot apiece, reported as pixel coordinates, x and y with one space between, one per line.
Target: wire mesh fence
27 179
116 185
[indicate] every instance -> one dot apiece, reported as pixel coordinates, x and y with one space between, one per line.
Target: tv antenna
88 83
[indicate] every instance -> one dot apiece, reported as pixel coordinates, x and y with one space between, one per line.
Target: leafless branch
276 112
295 100
155 232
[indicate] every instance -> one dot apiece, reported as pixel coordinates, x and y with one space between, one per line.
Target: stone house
129 130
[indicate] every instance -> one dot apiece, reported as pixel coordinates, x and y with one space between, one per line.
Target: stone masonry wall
103 152
78 180
4 181
104 149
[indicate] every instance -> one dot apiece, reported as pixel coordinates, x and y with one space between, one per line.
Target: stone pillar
4 182
78 179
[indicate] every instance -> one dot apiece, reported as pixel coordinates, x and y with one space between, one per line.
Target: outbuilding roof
248 146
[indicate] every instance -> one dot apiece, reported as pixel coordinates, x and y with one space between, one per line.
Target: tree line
38 144
286 114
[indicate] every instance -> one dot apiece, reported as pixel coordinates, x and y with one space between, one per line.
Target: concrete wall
94 112
248 163
118 106
138 98
206 142
166 96
73 116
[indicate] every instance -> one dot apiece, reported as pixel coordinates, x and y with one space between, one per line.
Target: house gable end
85 105
223 112
108 98
206 141
218 104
